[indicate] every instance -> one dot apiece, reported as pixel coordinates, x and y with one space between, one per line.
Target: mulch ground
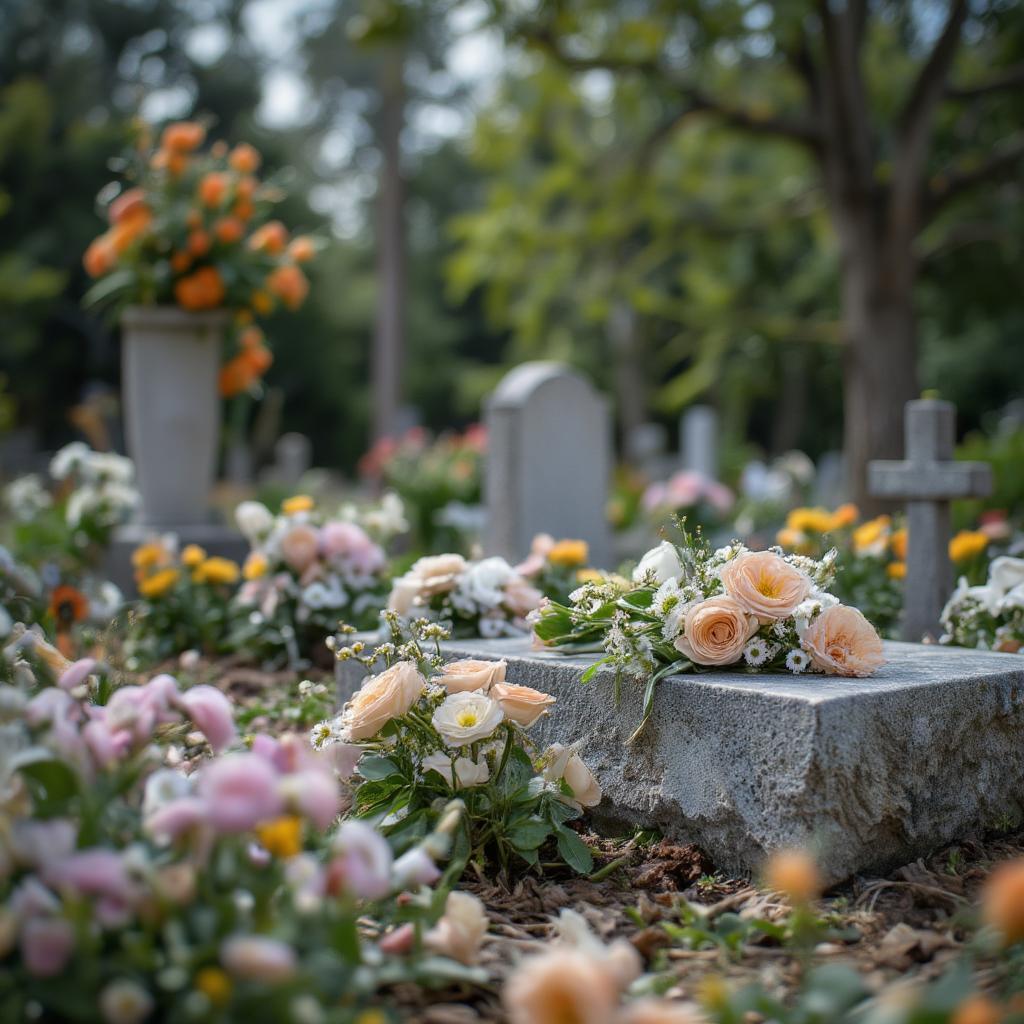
908 925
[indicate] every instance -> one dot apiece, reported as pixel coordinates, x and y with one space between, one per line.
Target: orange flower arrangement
194 228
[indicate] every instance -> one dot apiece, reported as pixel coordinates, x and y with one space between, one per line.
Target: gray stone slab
869 773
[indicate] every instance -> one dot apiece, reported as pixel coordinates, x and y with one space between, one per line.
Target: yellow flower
898 544
896 570
297 503
192 555
214 984
256 565
569 553
967 544
589 576
871 534
371 1017
216 570
282 837
712 992
810 520
845 515
793 540
149 555
159 583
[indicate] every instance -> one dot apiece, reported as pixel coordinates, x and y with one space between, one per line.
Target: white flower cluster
104 492
990 616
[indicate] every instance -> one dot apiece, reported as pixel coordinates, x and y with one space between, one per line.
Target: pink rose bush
691 608
701 499
425 731
307 569
114 865
486 598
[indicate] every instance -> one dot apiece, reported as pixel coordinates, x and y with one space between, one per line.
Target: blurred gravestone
830 480
548 461
698 440
293 456
646 447
928 480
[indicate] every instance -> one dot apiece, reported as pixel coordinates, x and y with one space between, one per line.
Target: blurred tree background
569 196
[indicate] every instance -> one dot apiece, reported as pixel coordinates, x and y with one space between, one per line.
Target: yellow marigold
896 570
297 503
898 544
193 555
256 566
589 576
871 533
845 515
282 837
216 570
793 540
149 555
214 984
967 544
569 553
810 520
159 583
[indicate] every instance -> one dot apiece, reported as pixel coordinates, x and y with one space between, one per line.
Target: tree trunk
390 322
880 364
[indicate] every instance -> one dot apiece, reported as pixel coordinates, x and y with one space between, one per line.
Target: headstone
868 773
646 447
293 455
698 440
548 461
928 480
829 480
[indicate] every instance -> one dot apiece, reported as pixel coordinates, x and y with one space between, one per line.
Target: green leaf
574 851
529 834
373 768
51 781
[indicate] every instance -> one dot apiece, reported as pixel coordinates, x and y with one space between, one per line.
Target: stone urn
170 360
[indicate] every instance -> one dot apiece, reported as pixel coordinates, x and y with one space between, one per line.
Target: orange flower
977 1009
236 376
795 874
272 237
100 257
180 262
68 605
258 359
213 187
183 136
262 302
898 544
193 220
229 230
202 290
198 243
243 209
168 160
219 149
1002 902
244 158
125 204
289 284
302 249
251 337
130 228
246 187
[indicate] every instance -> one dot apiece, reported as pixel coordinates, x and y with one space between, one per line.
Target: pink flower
361 866
133 710
50 705
76 674
521 598
351 544
534 561
259 958
106 747
314 794
46 945
174 819
343 758
210 712
271 751
241 791
93 872
299 546
35 843
399 941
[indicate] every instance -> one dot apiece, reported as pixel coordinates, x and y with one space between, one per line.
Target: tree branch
804 130
951 183
1008 78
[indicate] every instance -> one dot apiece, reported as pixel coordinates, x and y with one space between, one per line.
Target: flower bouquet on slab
421 732
557 567
487 598
989 616
689 608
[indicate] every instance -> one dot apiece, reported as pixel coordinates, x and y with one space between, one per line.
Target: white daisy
758 651
797 661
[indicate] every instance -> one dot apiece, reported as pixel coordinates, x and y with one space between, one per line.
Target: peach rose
561 985
765 584
434 574
522 704
380 699
715 631
521 598
462 676
299 546
841 642
563 762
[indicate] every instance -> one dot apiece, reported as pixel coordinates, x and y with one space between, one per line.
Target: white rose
254 519
461 930
564 763
1005 574
467 772
662 561
484 582
467 717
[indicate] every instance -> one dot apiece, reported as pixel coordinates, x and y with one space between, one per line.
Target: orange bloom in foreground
977 1009
1002 903
794 874
213 187
302 249
258 358
202 290
235 377
198 243
68 605
251 337
272 237
125 204
289 284
244 158
100 257
183 136
130 228
169 160
229 230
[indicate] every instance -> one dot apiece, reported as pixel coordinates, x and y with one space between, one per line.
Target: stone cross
549 456
698 440
928 480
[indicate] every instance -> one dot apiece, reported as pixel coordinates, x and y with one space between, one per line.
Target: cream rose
300 546
461 930
380 699
467 772
521 598
522 704
467 717
841 642
470 674
563 762
434 574
765 584
715 631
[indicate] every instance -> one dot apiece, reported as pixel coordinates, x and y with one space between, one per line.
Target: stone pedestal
868 773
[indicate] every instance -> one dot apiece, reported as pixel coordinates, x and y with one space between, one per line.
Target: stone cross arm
929 481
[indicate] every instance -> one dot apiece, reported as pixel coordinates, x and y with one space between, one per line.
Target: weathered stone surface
867 772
